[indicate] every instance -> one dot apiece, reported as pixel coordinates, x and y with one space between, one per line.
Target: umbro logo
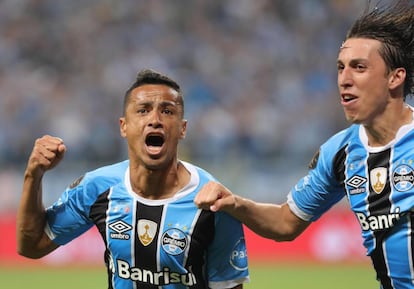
356 183
120 227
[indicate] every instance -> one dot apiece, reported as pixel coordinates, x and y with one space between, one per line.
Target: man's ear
397 78
122 126
183 129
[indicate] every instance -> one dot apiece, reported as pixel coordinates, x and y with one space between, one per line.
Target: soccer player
371 162
143 207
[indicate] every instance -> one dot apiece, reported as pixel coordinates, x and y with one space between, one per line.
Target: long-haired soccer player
371 162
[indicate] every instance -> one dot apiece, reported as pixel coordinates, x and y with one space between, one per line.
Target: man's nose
155 119
345 78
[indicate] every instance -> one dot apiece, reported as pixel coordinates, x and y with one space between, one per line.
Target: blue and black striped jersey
167 243
379 185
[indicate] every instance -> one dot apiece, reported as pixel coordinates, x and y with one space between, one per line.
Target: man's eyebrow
164 102
170 103
352 62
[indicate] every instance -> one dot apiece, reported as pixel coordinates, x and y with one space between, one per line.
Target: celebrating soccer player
143 207
371 162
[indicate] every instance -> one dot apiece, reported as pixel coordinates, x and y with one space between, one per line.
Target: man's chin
155 164
352 119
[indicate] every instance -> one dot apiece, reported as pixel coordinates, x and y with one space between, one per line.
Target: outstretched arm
271 221
32 242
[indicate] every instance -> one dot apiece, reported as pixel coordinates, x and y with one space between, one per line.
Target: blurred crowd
259 79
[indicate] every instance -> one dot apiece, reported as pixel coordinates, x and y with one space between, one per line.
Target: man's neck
159 184
383 131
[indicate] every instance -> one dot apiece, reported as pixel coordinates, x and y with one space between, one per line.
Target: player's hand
47 152
214 197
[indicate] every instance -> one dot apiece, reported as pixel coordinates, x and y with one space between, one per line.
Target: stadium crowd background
259 79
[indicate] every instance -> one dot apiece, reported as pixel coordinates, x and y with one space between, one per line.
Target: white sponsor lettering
164 277
378 222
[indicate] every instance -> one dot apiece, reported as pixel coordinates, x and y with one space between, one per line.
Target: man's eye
360 67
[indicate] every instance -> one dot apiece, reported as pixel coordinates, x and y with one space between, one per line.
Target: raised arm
271 221
32 241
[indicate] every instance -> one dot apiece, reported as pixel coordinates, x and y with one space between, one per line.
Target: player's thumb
222 204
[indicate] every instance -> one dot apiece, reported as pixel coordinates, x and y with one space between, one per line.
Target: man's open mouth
348 98
154 140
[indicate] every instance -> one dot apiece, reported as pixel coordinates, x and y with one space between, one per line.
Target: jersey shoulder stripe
73 206
321 188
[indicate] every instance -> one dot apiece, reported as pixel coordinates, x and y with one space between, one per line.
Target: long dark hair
393 26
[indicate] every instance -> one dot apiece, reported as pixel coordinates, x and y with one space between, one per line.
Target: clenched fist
215 197
47 152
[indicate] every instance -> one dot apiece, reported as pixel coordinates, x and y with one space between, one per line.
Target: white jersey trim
402 131
49 232
296 210
187 189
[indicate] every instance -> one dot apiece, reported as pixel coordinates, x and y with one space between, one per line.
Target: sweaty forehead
154 92
359 48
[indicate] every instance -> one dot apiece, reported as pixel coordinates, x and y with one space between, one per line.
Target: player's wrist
237 206
33 174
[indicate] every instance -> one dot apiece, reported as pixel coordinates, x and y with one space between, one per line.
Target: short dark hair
393 26
150 76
